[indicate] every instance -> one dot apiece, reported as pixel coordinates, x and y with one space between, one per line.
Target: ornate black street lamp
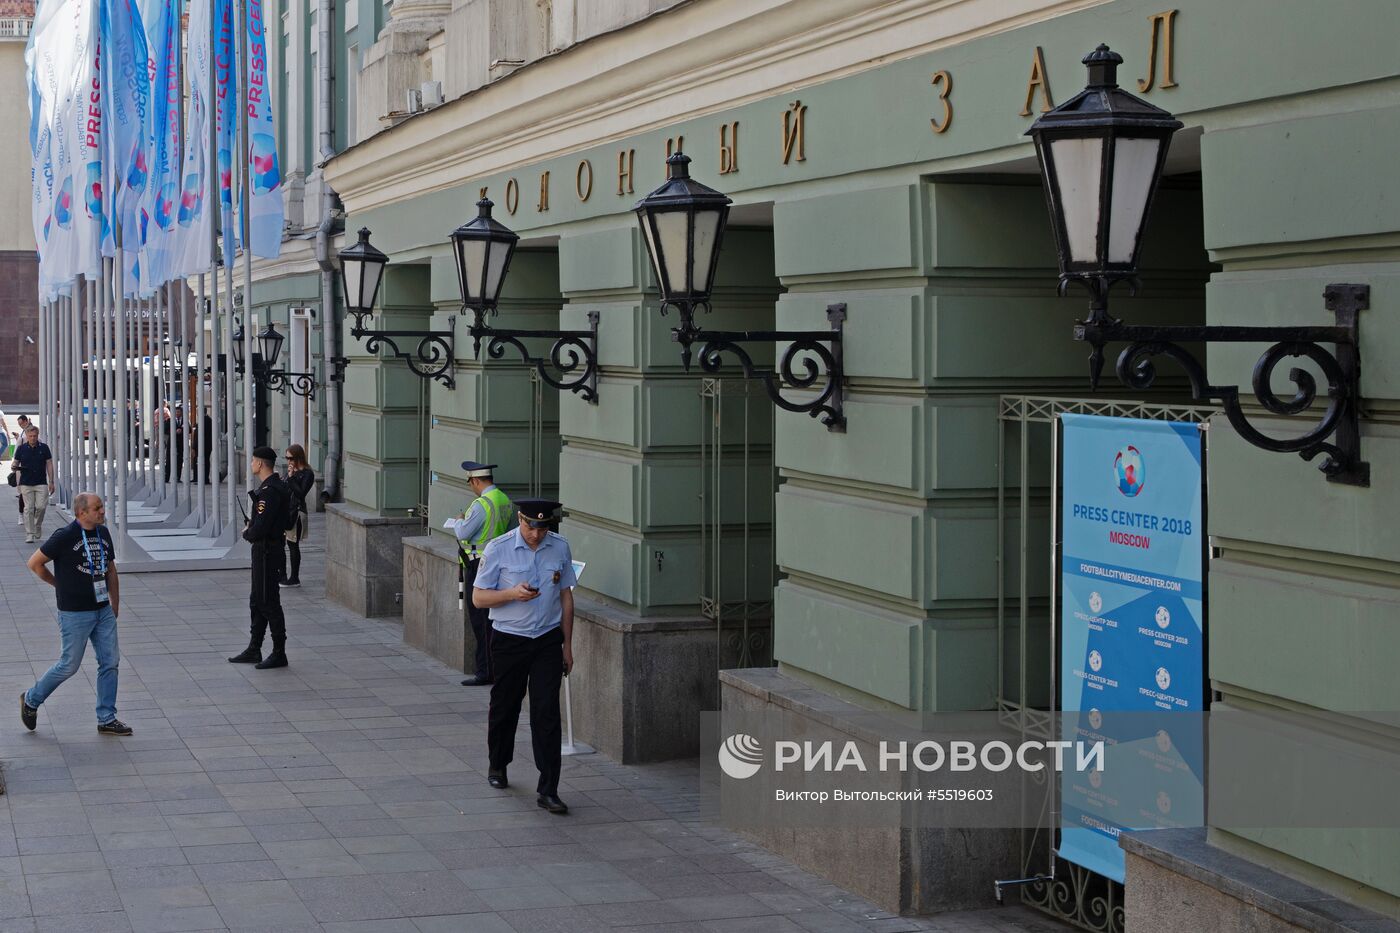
1101 156
482 249
683 225
265 369
361 272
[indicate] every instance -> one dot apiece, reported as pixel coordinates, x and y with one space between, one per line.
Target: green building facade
893 177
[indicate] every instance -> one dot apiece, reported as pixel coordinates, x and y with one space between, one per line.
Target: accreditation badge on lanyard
99 568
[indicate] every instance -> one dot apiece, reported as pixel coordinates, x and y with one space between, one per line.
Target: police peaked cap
538 513
477 470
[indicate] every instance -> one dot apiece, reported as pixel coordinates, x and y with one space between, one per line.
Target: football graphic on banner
264 174
1129 472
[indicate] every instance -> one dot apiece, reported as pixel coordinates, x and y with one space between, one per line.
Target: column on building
630 476
488 418
383 487
1303 590
887 534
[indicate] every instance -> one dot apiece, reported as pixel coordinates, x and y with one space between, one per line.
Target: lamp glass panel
495 269
671 229
706 233
271 348
472 256
651 249
1078 172
351 271
1134 168
370 286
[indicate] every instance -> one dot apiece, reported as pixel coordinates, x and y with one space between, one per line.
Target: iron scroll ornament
1336 434
574 355
431 359
807 350
303 384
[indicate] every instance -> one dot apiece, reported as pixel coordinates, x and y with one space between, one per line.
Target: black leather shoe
248 656
497 779
552 803
276 659
27 714
472 680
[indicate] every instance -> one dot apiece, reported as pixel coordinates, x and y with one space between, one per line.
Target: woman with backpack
300 478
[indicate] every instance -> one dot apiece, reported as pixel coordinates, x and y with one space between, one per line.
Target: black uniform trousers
480 621
265 597
536 665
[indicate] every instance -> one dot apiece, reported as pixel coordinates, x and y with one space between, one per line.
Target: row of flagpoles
140 119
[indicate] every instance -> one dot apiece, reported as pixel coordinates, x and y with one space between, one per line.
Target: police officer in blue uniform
526 581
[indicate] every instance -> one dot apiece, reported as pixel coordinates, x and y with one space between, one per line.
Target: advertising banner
1132 622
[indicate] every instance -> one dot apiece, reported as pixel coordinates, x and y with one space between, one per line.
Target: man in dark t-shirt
84 579
34 463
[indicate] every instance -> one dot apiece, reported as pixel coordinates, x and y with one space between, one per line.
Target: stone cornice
697 58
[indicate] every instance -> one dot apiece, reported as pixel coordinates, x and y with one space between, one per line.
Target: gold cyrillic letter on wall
544 193
1038 80
946 81
728 147
674 144
512 196
626 159
794 125
582 187
1164 28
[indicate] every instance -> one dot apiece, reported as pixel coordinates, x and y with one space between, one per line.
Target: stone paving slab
346 793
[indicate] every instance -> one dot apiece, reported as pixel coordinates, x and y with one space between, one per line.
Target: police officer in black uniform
265 529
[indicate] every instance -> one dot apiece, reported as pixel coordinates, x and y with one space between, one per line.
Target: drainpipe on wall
330 322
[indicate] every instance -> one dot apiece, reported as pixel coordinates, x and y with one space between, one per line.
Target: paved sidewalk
346 792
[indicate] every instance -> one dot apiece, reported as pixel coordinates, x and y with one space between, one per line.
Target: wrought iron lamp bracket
1337 434
303 384
432 358
817 353
574 355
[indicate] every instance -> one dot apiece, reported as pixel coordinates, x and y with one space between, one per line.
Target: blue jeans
99 625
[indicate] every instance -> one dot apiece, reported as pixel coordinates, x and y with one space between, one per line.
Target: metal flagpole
56 430
72 460
217 376
160 387
186 344
123 411
153 396
70 426
102 375
198 450
141 440
87 472
250 320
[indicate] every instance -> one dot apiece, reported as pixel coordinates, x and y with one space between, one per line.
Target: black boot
278 658
250 655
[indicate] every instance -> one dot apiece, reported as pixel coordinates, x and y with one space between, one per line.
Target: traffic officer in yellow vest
489 516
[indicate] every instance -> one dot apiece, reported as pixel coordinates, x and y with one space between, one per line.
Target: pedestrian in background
34 462
488 517
300 479
19 439
526 580
266 530
85 583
